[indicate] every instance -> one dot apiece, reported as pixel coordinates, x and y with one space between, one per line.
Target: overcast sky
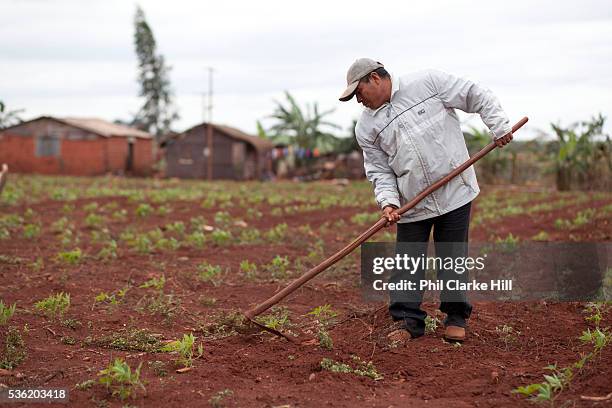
549 60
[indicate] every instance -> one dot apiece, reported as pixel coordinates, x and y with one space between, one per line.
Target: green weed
184 348
14 349
6 312
54 305
119 378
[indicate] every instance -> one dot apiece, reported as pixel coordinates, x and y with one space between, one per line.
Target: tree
9 118
305 130
579 152
157 112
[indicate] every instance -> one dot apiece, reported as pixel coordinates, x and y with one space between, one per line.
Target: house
76 146
235 154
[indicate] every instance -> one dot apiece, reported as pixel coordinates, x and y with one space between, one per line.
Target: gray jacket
416 139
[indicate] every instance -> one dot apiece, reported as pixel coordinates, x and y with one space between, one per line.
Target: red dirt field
265 371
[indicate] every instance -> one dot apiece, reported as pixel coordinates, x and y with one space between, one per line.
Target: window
47 146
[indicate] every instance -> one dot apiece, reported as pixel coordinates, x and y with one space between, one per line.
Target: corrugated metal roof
105 128
260 144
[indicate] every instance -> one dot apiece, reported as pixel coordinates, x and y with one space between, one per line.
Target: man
410 137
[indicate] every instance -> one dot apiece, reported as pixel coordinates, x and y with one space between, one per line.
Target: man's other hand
504 140
390 214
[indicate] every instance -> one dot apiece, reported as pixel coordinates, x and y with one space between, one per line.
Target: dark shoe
454 333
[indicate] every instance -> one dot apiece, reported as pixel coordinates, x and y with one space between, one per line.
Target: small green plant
277 319
278 267
113 299
163 210
31 230
196 239
91 207
85 385
54 305
119 378
14 349
217 400
541 236
508 244
70 257
365 218
127 339
94 221
249 269
363 369
109 251
249 236
431 324
177 227
210 273
184 348
157 283
507 334
6 312
277 233
120 215
324 314
220 237
143 210
223 218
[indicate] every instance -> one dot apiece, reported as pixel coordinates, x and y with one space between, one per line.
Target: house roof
95 125
104 128
259 143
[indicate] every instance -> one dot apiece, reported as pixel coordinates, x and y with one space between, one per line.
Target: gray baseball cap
359 69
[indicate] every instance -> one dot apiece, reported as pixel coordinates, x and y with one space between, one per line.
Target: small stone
311 377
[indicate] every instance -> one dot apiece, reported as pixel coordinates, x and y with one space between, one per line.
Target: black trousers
451 227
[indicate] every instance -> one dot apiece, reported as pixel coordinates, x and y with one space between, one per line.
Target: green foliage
128 339
109 251
579 153
70 257
362 369
431 324
119 378
196 239
278 267
14 350
31 230
113 299
324 314
304 129
94 221
177 227
184 348
60 225
6 312
249 269
277 233
277 319
223 219
143 210
220 237
157 283
54 305
210 273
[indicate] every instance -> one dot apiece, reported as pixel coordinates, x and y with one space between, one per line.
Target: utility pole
209 129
